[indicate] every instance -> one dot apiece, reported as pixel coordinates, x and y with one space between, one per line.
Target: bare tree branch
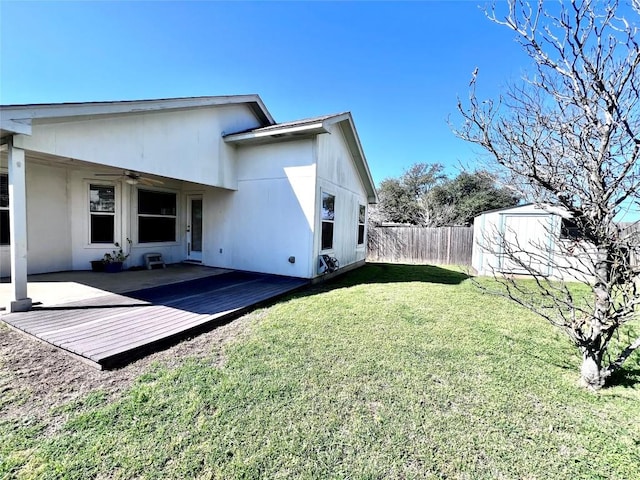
568 136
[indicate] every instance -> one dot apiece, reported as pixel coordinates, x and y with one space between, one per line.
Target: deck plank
113 326
123 334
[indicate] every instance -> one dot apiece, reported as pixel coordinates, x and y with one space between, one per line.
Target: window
102 213
4 209
569 230
156 216
362 215
328 216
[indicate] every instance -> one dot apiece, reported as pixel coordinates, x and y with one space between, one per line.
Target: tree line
423 195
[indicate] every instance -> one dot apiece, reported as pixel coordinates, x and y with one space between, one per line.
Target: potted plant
112 261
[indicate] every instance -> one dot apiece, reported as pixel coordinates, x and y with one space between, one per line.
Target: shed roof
531 207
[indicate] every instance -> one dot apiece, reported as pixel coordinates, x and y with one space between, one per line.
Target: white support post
19 302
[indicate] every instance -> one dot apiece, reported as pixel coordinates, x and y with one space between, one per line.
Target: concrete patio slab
49 289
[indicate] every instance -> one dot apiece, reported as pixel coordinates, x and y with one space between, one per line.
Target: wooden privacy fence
633 230
404 244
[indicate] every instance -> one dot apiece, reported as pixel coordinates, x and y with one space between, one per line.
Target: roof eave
285 133
10 127
24 114
353 141
275 135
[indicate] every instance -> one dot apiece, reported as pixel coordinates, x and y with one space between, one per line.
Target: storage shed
526 239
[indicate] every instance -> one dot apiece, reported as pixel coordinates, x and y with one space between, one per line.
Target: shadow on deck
112 329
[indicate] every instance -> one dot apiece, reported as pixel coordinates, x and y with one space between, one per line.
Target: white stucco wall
48 229
261 203
337 175
270 217
126 221
181 144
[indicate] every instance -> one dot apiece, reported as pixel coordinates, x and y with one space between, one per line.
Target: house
530 238
211 180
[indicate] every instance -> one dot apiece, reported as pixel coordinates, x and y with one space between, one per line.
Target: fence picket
405 244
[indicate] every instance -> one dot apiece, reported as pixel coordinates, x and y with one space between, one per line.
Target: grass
388 372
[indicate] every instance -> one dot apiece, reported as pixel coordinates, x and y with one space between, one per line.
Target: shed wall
536 233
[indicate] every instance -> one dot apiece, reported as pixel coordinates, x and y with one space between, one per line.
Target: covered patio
108 319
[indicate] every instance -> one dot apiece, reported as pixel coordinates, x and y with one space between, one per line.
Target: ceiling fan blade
132 177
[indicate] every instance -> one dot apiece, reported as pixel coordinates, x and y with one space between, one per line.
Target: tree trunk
591 373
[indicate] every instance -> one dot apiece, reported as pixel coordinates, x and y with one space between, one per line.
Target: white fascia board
11 126
311 129
28 112
350 132
336 119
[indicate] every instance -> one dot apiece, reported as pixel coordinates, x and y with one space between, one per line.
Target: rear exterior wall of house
339 178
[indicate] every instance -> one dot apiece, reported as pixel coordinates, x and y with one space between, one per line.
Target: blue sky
399 67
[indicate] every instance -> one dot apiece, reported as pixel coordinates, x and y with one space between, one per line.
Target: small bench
152 260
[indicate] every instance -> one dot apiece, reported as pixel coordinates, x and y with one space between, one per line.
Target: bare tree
569 136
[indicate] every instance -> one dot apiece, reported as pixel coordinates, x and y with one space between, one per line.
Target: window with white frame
362 215
328 219
156 216
4 209
102 213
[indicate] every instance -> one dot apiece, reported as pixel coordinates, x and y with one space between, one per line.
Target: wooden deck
110 330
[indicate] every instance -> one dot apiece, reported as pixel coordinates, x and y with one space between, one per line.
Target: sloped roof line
17 119
294 123
26 113
309 127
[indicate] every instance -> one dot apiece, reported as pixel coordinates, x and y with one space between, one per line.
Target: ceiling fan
132 178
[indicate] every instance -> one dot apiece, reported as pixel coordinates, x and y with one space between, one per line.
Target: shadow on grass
563 365
628 377
399 273
381 273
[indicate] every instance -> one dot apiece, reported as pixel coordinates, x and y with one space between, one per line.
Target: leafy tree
569 134
402 200
458 201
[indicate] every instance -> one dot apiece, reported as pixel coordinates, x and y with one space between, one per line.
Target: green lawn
389 372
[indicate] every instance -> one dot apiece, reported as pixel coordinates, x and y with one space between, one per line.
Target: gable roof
17 119
531 207
274 133
309 127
